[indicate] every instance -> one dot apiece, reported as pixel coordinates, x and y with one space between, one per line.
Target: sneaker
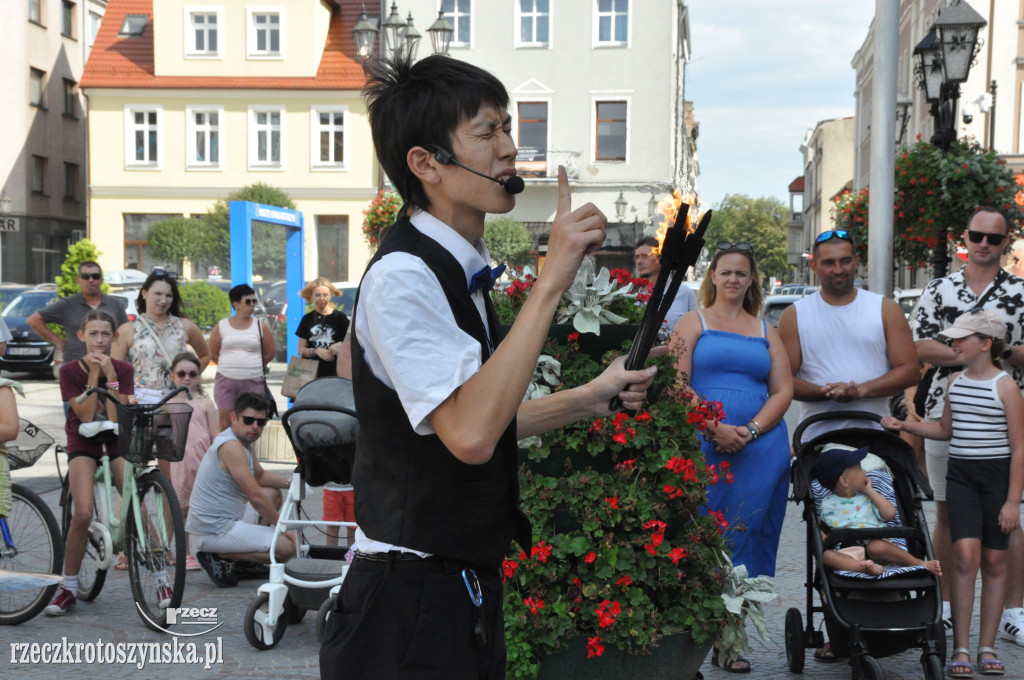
63 602
220 571
164 593
947 618
1011 626
191 564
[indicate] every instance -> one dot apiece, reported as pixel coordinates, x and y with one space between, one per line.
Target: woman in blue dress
728 354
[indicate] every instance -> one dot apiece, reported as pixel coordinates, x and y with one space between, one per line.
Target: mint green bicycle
149 528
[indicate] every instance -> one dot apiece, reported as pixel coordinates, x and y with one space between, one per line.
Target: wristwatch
1007 353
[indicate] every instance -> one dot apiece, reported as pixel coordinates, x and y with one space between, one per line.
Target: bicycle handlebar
135 408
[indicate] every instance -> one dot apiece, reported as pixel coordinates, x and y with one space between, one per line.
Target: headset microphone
512 184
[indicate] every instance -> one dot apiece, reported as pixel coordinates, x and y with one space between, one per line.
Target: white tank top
979 419
840 344
241 356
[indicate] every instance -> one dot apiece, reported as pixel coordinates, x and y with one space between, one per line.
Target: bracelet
113 385
752 431
760 430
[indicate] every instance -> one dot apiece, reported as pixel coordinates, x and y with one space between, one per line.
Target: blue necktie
485 278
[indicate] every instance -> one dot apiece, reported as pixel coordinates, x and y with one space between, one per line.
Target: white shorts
936 460
244 536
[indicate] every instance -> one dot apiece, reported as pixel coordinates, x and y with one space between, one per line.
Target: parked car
907 299
130 295
26 351
774 305
9 291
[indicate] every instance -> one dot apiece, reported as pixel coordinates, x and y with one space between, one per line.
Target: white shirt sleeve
5 334
410 338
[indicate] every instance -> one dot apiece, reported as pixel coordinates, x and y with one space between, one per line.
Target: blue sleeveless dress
733 369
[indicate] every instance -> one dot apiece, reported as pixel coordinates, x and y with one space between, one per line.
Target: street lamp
398 36
620 208
944 57
902 116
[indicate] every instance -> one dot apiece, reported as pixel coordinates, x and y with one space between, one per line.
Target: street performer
440 402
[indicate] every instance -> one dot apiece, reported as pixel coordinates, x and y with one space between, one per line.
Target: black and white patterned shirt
947 298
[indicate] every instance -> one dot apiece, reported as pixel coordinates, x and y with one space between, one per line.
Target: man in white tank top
849 349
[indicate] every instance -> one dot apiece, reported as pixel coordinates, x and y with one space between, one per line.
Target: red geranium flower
594 647
590 557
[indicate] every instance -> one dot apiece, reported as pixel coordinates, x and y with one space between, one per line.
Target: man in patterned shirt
980 280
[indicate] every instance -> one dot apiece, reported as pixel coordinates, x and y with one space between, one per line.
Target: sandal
825 654
960 669
122 563
991 666
737 665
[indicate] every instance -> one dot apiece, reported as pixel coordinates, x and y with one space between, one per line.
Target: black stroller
322 428
867 618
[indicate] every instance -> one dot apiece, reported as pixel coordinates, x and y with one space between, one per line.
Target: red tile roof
127 62
797 185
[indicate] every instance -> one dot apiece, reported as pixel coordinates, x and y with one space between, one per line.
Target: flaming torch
679 246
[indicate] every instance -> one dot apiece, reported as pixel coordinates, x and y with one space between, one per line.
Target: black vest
409 489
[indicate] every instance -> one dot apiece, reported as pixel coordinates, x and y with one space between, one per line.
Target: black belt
396 560
396 556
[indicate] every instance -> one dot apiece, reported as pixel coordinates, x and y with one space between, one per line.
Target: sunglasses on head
835 233
161 272
993 239
186 374
740 246
249 420
95 276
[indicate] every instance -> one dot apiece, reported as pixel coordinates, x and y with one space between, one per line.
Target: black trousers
413 620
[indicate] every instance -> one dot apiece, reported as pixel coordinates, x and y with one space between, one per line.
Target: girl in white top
984 419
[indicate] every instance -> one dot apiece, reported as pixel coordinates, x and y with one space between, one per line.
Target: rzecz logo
188 616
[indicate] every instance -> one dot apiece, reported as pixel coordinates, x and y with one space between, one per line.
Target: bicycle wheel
155 547
97 549
35 548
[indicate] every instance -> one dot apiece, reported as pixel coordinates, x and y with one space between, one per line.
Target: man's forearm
893 382
36 323
936 353
807 391
556 410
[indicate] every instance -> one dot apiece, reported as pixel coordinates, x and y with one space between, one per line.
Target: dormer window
134 25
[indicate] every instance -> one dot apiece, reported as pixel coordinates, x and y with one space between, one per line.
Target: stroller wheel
870 669
795 640
321 617
293 612
257 631
932 667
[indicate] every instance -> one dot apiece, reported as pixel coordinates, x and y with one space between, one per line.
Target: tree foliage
758 221
508 241
268 240
204 304
180 238
67 281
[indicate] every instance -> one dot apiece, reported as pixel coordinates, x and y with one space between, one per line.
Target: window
201 36
265 31
67 26
134 25
332 246
532 138
71 181
611 131
612 22
69 97
328 138
36 87
35 11
137 254
93 28
204 138
534 20
266 134
142 137
458 12
38 175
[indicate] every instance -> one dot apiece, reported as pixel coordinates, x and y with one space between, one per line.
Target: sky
760 75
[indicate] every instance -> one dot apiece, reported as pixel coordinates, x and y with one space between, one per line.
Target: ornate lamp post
398 36
944 61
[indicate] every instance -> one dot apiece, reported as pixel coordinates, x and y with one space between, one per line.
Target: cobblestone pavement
112 616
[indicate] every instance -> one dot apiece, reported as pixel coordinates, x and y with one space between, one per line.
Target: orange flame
669 207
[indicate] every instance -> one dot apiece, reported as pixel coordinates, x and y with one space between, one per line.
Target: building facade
189 103
43 155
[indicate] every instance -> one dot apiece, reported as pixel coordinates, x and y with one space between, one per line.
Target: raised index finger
564 200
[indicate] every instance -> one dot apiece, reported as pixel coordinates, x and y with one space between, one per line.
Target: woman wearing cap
728 354
983 419
322 330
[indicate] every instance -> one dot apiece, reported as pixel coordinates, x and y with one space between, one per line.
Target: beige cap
982 322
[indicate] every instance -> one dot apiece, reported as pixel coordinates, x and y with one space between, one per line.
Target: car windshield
907 303
345 302
27 303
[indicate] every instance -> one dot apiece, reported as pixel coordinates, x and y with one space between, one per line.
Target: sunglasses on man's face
993 239
835 233
739 247
95 276
160 271
248 301
249 420
186 374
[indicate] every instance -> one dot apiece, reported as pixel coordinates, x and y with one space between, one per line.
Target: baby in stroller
854 503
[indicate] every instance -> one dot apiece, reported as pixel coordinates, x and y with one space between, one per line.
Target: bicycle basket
145 432
30 444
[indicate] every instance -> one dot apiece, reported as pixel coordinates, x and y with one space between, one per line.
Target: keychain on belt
476 596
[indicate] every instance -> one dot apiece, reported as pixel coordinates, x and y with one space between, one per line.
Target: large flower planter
677 658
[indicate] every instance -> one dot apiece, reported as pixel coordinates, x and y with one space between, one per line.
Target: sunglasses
740 246
835 233
186 374
94 276
993 239
250 301
249 420
160 271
